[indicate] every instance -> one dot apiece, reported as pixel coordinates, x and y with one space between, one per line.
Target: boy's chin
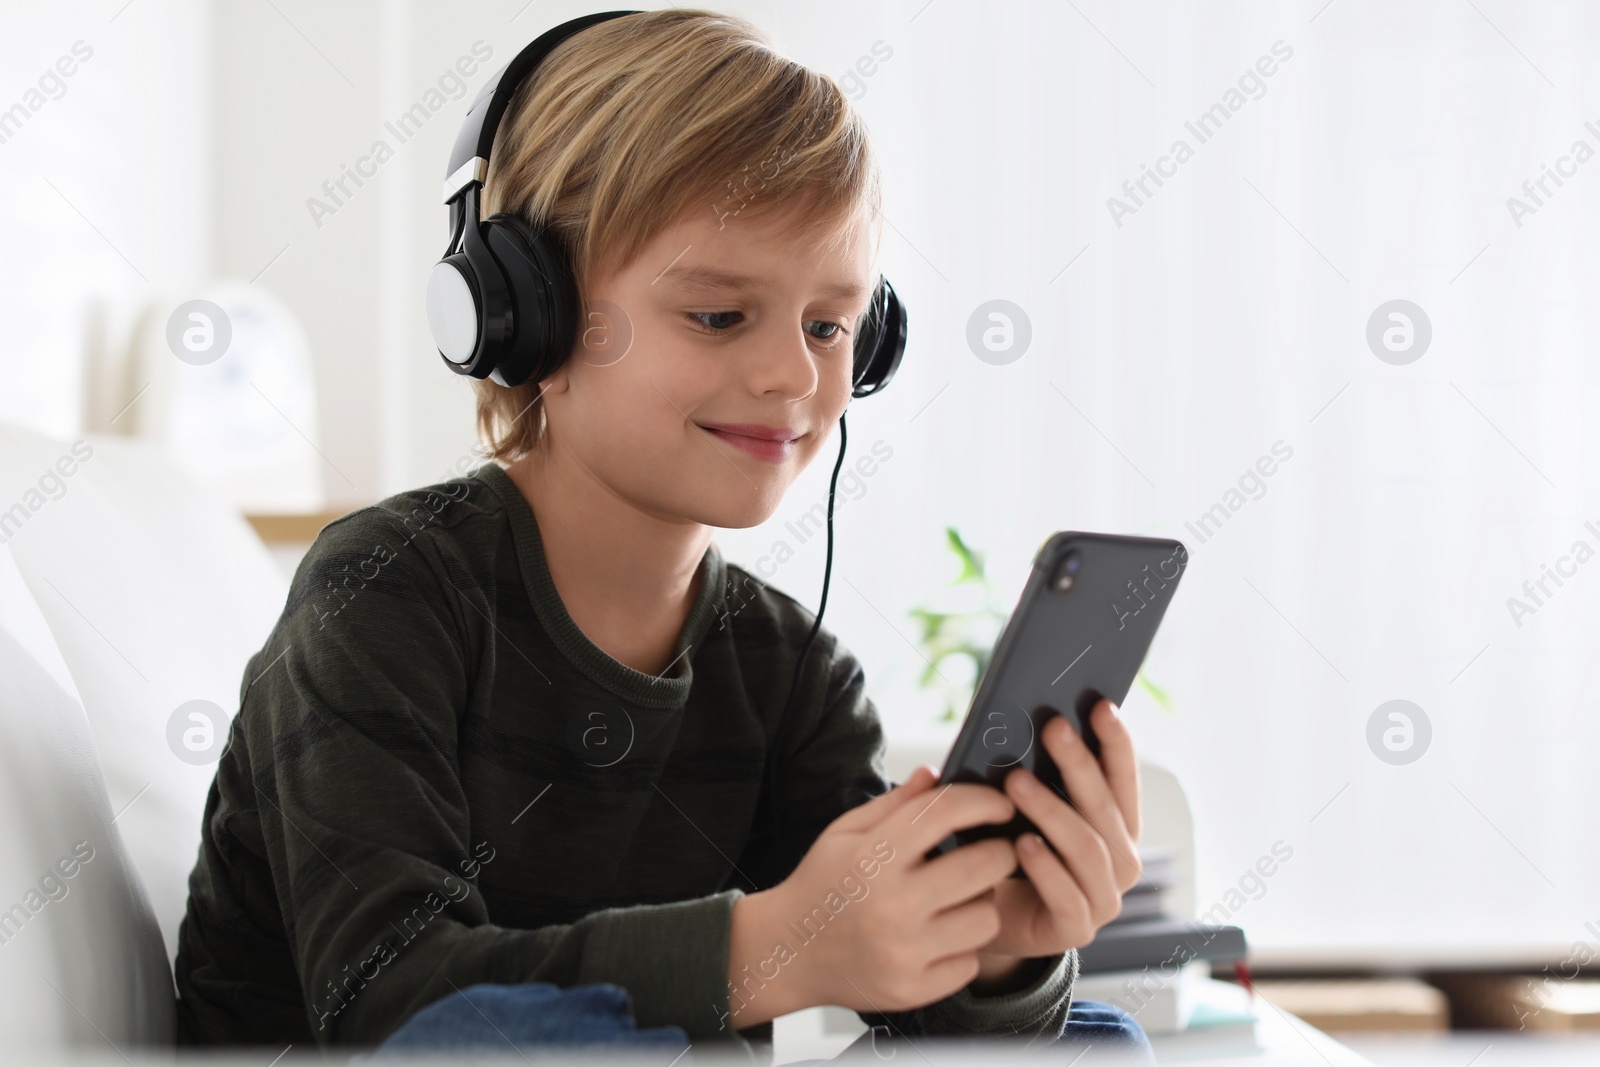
736 515
738 519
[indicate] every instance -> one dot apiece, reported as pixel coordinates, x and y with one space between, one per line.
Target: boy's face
719 321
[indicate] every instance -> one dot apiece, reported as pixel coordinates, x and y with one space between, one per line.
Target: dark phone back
1080 631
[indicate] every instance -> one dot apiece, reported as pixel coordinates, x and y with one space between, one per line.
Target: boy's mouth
772 443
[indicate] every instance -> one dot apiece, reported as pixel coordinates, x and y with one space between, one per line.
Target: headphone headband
469 159
502 301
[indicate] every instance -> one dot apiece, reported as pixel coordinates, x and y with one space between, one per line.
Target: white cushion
156 594
81 958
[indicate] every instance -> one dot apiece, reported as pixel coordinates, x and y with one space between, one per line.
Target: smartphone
1079 632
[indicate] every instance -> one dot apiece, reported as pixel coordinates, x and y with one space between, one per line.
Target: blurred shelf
1360 1004
290 528
1547 1001
1401 958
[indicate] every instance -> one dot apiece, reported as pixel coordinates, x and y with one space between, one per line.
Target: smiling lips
771 443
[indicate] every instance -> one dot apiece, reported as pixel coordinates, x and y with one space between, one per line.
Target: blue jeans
1093 1022
490 1017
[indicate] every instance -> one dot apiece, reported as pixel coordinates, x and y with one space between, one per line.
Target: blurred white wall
1226 314
105 184
1175 340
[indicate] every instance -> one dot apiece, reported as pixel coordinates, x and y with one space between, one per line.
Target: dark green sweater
435 779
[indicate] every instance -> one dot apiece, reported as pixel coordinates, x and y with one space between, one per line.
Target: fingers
963 873
865 816
1087 855
1091 793
1119 761
1080 771
954 972
966 927
1070 909
937 813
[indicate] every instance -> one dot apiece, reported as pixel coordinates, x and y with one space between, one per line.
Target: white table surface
1276 1037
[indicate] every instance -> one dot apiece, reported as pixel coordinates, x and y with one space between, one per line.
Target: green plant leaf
968 634
1156 691
971 561
971 634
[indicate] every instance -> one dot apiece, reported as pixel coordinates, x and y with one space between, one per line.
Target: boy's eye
722 321
835 331
719 323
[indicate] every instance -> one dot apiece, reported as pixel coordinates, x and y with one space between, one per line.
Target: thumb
880 807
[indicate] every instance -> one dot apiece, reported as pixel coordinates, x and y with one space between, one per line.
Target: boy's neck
626 577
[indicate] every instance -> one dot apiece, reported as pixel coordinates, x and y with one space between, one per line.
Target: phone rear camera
1067 572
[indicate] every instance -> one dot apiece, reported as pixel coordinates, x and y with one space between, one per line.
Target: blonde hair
637 120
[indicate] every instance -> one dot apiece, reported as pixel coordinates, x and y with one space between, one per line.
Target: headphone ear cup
454 316
543 294
881 341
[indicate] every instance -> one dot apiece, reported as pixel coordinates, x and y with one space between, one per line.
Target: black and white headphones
503 304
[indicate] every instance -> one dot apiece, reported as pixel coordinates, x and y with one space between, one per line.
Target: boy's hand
1067 897
871 924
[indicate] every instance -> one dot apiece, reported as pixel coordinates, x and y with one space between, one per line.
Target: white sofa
81 960
125 592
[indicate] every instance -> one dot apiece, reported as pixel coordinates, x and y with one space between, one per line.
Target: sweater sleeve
351 724
839 766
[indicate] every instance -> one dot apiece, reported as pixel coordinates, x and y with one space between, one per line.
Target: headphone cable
822 605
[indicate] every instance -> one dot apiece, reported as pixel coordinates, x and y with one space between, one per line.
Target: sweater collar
666 691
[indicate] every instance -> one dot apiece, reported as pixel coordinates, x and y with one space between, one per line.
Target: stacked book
1150 964
1148 897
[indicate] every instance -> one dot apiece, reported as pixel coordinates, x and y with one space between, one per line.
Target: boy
509 731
